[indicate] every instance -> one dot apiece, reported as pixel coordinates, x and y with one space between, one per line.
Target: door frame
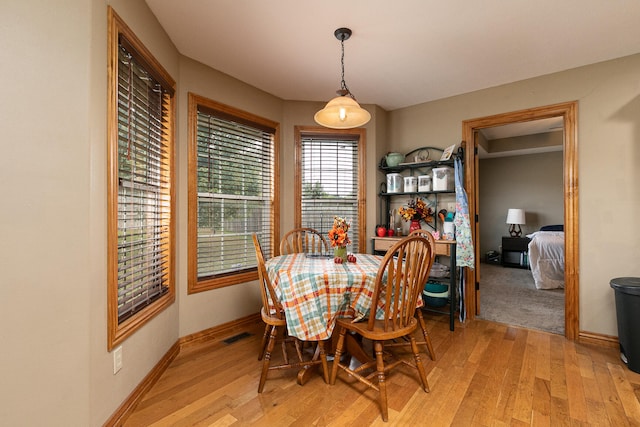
569 112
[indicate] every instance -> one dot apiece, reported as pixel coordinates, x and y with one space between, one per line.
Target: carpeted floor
509 295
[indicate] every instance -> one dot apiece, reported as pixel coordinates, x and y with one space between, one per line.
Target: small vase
415 225
340 252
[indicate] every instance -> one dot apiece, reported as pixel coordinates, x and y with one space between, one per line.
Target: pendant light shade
343 111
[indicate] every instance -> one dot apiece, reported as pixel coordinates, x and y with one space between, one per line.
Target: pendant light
343 111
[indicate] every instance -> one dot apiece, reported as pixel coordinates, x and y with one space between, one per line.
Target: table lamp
515 217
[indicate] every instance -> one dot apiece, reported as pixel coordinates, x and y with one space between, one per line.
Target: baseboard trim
129 404
598 339
220 331
215 333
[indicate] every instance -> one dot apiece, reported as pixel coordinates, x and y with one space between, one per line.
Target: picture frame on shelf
446 154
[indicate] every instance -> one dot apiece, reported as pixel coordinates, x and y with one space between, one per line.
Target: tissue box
443 179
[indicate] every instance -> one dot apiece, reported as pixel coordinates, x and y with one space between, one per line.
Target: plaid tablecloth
315 291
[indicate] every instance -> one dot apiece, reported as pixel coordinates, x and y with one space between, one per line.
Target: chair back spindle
303 240
401 277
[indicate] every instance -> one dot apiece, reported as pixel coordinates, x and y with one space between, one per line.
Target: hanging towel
464 244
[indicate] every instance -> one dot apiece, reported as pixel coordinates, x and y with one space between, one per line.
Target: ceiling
518 147
401 53
523 128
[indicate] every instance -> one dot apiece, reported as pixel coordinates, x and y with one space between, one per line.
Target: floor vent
238 337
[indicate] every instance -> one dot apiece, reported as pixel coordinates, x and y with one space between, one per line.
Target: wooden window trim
361 134
195 101
116 333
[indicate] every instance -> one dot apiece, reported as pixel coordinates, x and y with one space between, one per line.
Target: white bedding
546 258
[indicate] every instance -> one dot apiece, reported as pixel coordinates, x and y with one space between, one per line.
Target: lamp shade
342 112
515 216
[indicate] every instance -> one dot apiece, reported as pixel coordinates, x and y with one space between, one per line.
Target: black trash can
627 291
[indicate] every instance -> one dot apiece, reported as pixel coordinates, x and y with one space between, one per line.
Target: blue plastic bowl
435 294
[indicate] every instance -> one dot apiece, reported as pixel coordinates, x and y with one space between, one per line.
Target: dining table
315 291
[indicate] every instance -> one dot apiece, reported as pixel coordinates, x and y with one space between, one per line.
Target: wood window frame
361 134
195 101
118 331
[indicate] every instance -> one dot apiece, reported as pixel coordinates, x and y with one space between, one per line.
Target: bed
546 257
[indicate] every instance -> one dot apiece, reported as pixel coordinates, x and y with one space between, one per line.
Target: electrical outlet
117 360
451 207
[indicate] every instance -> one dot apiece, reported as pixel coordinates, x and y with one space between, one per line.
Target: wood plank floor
486 374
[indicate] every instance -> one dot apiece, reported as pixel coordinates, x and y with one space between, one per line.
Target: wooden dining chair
399 282
423 326
303 240
273 316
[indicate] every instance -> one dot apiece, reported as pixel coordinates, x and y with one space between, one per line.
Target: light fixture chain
341 113
343 84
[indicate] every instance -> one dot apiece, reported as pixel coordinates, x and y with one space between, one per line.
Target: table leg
354 348
304 374
307 371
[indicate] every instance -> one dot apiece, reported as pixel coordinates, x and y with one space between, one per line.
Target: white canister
410 184
394 183
443 179
448 230
424 183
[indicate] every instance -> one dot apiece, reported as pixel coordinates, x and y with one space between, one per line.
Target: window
331 180
232 193
140 184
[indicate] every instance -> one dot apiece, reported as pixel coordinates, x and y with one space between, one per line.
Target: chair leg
265 337
267 358
336 356
382 384
421 371
299 345
323 360
427 337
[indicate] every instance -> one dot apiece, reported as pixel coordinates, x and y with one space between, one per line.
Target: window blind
235 190
144 204
330 182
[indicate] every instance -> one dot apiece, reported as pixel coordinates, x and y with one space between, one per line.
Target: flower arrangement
338 234
416 210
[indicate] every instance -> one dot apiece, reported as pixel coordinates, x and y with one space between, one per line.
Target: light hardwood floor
486 374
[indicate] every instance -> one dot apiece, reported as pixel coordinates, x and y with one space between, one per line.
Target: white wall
44 221
608 159
531 182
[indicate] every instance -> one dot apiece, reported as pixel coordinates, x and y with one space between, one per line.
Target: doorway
568 112
520 167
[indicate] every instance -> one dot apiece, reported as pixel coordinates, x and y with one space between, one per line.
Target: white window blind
330 182
235 192
144 181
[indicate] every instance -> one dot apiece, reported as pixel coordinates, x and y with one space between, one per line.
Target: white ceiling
401 53
523 128
553 124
